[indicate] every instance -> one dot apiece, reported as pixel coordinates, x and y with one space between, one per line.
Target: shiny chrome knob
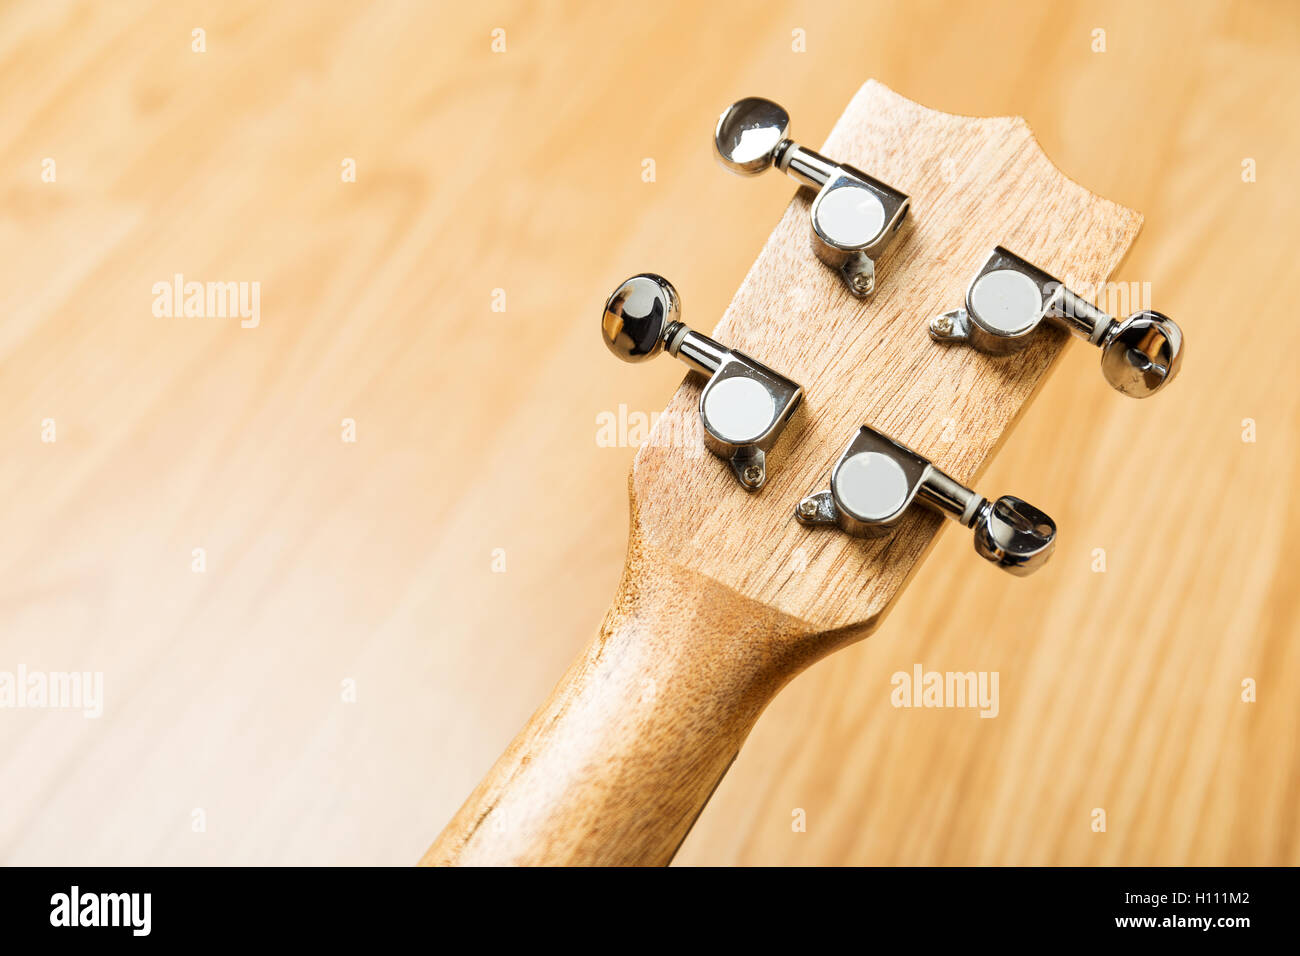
638 315
744 405
1142 353
748 135
1014 535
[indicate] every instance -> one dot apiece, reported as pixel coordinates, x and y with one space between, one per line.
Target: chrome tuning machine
744 405
877 479
854 217
1010 297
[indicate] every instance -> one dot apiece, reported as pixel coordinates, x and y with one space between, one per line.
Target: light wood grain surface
370 565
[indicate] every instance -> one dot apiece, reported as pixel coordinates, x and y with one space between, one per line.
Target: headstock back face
974 184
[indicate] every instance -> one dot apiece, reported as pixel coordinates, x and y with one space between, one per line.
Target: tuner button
848 215
638 315
1142 354
748 134
738 409
871 486
1015 535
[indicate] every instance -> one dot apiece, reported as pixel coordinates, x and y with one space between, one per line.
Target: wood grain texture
601 775
373 562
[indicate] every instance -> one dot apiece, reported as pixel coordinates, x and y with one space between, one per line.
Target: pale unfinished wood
602 776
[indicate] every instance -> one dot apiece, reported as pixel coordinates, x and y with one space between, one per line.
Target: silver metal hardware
744 404
877 479
1010 297
854 216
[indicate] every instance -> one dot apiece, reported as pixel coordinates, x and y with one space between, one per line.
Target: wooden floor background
226 736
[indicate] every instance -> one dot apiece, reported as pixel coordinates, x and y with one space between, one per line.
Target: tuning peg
877 479
744 405
854 216
1010 297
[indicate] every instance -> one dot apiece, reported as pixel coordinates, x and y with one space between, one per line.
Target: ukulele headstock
973 185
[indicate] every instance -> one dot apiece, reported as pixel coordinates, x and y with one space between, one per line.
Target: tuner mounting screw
753 474
941 324
808 507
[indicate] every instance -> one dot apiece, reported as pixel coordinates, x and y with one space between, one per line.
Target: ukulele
726 594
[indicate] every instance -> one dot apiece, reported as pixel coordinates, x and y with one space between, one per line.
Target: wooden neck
617 764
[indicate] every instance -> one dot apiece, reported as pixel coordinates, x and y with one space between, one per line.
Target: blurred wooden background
370 565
